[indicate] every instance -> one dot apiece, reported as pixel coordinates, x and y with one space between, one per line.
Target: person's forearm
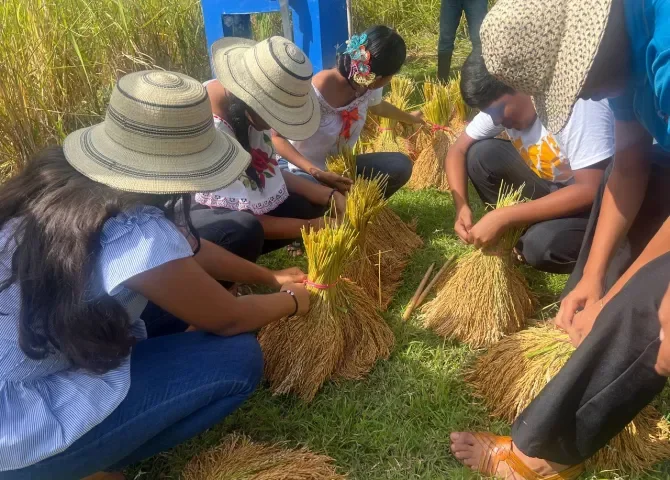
314 192
622 198
564 202
288 152
280 228
659 245
388 110
223 265
457 176
252 312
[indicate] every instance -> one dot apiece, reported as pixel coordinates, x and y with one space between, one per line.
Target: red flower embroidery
263 164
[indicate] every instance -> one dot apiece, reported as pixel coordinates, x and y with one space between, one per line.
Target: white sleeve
588 137
375 97
482 127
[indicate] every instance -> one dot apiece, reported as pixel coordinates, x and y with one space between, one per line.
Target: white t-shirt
332 134
588 138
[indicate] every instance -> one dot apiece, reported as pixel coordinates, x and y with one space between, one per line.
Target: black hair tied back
387 52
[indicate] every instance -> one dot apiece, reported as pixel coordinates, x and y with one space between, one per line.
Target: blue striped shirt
45 405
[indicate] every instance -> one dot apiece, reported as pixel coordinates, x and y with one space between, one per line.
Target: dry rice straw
513 372
238 458
342 335
389 139
486 297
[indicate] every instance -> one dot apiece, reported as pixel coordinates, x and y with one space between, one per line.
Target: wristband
295 300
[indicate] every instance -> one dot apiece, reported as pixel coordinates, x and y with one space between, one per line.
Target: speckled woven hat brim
277 86
545 48
158 137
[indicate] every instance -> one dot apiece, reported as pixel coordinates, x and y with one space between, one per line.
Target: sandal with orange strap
497 449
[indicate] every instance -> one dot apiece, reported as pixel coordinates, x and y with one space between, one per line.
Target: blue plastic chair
319 26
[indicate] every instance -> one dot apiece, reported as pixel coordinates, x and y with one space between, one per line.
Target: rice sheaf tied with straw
238 458
389 138
341 337
396 249
513 372
486 297
428 170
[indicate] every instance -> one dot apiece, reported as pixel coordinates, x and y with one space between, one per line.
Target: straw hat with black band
545 48
273 78
158 136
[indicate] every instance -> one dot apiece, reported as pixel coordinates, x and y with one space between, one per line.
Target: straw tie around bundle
514 371
428 170
486 297
342 335
239 458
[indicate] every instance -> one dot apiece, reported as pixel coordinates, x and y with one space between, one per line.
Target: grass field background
58 62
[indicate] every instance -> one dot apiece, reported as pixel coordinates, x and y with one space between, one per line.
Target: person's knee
541 249
250 360
400 169
482 156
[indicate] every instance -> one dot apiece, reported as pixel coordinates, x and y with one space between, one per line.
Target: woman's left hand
289 275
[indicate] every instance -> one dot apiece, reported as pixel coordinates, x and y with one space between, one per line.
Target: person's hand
463 223
582 323
662 366
301 295
486 232
340 203
333 180
289 275
588 291
418 117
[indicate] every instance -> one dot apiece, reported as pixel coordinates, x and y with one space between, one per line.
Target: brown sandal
499 449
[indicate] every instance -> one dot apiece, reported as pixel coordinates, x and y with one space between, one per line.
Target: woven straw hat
273 77
544 48
158 136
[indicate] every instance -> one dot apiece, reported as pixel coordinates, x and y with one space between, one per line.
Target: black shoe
443 66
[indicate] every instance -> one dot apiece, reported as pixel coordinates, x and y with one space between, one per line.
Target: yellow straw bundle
389 139
342 335
461 110
514 371
344 163
428 168
486 297
238 458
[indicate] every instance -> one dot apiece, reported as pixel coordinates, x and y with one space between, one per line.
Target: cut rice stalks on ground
364 202
390 137
487 296
342 335
238 458
513 372
428 170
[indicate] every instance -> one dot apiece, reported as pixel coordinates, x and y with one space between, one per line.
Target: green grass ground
395 424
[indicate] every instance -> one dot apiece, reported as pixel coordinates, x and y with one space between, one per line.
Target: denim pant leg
450 18
181 385
396 165
475 11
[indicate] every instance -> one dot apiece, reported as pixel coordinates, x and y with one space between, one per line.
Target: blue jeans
181 385
396 165
450 18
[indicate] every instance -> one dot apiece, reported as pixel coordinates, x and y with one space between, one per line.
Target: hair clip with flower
360 60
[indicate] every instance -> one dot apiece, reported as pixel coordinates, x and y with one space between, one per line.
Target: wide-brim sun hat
273 78
545 48
158 136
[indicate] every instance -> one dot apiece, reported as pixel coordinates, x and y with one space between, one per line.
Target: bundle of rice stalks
514 371
238 458
486 297
342 335
369 132
428 168
344 163
389 139
461 111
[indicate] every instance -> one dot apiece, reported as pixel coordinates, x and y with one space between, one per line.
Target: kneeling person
560 173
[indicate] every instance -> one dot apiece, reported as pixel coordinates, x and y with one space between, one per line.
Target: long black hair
236 113
57 216
387 52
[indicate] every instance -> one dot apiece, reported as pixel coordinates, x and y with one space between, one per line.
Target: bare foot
469 451
106 476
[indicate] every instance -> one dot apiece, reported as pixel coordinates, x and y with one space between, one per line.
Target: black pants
551 246
611 376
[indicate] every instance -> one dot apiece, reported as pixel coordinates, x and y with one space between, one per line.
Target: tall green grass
60 58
